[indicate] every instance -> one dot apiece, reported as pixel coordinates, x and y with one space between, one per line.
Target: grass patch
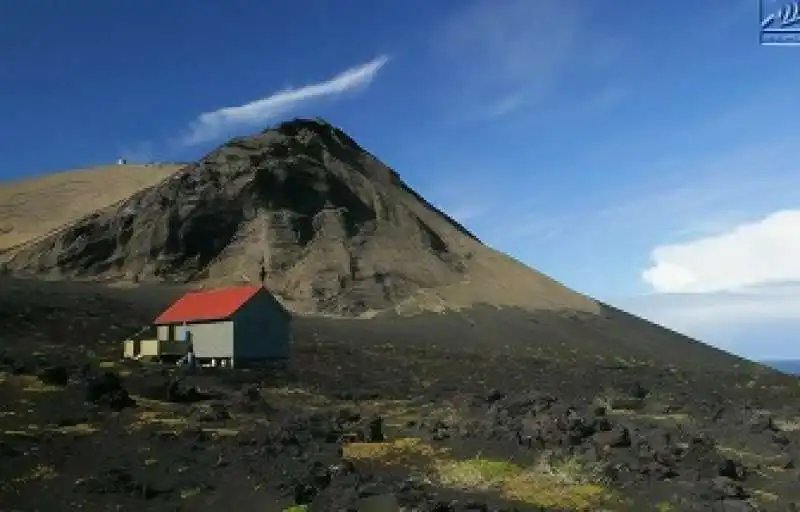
77 429
150 404
156 413
150 418
550 482
613 400
398 413
21 433
292 396
765 497
32 384
222 432
408 452
788 425
157 418
665 506
190 493
627 363
38 473
115 366
771 463
477 473
677 417
747 457
34 431
566 483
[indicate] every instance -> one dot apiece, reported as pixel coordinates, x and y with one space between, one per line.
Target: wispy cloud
506 56
675 199
460 198
211 125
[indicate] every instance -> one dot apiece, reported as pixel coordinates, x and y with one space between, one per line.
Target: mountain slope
337 230
31 208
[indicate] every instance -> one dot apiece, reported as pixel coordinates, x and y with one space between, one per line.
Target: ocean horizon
791 366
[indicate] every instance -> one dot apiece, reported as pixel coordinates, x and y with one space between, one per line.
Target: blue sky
628 149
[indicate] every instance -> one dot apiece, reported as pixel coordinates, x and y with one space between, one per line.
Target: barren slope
596 413
32 208
338 231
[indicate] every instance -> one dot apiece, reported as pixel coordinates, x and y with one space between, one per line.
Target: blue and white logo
780 22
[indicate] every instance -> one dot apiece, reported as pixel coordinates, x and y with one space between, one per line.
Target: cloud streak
677 199
211 125
501 57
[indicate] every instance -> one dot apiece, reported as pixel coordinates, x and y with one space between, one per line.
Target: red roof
207 305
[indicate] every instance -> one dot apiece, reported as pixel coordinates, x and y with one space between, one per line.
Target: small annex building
228 326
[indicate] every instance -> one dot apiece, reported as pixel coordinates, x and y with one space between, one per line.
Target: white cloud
765 251
213 124
738 289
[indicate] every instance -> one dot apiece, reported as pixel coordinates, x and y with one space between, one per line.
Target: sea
791 366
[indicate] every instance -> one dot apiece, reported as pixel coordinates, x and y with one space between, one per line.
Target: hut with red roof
226 326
